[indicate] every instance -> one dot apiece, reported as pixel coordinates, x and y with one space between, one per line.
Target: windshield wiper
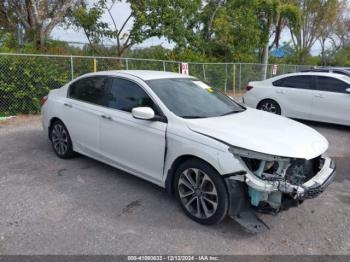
192 117
232 112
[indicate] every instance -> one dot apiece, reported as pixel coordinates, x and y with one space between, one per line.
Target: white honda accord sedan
217 156
317 96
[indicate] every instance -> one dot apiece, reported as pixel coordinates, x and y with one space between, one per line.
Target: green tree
37 18
316 16
234 34
148 18
341 28
223 30
279 15
238 29
272 17
342 57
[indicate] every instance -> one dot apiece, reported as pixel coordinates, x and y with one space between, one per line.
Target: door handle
106 117
280 92
318 95
67 105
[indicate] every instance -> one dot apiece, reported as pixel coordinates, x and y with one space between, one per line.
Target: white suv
217 156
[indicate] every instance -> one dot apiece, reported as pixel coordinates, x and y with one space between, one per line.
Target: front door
331 101
132 144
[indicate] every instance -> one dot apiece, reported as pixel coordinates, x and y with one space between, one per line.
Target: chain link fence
26 78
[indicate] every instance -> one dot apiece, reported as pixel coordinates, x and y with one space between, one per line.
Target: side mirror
145 113
347 90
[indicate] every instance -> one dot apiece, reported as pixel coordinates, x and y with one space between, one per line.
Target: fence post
127 64
204 76
163 66
234 79
71 67
95 64
240 77
225 78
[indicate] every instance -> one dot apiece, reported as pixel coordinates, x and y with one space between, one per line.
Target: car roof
327 69
332 68
334 75
142 74
328 74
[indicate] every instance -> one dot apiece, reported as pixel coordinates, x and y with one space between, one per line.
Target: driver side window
125 95
329 84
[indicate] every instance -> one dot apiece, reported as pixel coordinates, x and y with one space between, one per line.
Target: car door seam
165 148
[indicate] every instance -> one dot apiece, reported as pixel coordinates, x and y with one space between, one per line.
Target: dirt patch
20 119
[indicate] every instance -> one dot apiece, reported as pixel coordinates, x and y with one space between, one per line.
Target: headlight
265 166
252 154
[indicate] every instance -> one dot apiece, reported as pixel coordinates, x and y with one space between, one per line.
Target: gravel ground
81 206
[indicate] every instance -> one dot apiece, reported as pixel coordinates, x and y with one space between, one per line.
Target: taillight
43 100
248 88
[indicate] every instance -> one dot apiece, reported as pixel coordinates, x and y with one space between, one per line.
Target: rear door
331 102
134 145
82 113
294 94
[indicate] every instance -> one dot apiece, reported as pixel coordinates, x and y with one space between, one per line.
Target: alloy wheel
59 139
198 193
269 107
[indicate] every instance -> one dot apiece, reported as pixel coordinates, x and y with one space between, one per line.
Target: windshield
191 98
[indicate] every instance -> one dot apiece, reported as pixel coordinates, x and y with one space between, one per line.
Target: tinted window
278 82
331 84
190 98
125 95
302 82
90 89
347 73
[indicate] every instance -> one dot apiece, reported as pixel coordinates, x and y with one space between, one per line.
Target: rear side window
302 82
331 84
90 89
346 73
125 95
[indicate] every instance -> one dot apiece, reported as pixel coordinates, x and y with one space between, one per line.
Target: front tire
201 192
270 105
61 141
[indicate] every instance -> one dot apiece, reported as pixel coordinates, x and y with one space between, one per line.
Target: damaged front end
272 184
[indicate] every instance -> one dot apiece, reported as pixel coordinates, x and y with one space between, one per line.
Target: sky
120 12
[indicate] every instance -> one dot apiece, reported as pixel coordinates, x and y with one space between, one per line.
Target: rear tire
60 139
270 106
201 192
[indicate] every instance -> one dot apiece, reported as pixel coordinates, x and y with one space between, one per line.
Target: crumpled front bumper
317 184
241 210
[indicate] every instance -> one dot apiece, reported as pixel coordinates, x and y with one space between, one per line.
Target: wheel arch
52 120
169 182
271 99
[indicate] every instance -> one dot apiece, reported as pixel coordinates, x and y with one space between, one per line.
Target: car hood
263 132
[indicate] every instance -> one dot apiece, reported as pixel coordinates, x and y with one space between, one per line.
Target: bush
25 80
